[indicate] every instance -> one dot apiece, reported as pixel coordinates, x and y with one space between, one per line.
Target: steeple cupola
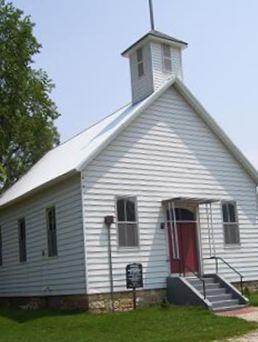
154 59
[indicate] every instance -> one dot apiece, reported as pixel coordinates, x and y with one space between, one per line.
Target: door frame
181 261
198 237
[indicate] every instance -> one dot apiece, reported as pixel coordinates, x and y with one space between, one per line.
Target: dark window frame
166 58
127 224
52 249
230 222
22 239
140 62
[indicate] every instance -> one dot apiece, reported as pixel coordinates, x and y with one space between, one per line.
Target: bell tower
154 58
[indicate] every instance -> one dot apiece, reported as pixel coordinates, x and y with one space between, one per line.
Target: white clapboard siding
64 274
159 75
166 152
141 86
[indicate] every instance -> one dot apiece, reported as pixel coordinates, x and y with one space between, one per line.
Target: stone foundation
99 303
123 301
251 285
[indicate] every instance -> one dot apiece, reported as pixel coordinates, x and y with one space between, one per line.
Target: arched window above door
182 214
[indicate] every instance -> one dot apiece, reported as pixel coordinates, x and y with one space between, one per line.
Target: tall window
127 222
51 232
230 224
1 247
140 65
22 240
167 58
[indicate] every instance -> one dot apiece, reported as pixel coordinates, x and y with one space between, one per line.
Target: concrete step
196 281
213 286
213 292
230 308
219 297
225 303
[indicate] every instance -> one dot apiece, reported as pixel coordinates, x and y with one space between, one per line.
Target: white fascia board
169 42
41 187
154 39
218 131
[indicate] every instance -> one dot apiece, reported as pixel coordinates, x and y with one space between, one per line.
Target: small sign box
134 279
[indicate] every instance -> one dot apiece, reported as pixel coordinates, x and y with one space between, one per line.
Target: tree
27 113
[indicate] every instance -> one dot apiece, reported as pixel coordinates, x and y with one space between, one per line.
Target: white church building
180 196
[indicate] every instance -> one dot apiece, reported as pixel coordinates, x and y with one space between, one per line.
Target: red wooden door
187 259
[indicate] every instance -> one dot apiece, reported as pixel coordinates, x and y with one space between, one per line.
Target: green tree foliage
27 113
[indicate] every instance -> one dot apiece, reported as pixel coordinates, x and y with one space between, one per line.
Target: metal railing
217 259
199 277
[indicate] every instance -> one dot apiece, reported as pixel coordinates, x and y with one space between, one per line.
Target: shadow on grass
23 316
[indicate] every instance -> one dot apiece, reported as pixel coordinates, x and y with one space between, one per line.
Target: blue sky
82 41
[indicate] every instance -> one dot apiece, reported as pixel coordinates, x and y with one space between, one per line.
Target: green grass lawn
253 298
150 324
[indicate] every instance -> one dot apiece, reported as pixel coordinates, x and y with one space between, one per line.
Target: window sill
232 246
128 249
46 257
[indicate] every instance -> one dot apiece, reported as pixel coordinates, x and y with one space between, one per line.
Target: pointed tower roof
158 36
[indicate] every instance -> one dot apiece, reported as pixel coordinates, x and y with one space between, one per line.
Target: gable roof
75 154
155 34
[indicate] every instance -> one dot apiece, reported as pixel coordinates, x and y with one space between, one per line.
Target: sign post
109 220
134 279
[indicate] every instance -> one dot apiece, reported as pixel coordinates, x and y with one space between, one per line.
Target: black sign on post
134 279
